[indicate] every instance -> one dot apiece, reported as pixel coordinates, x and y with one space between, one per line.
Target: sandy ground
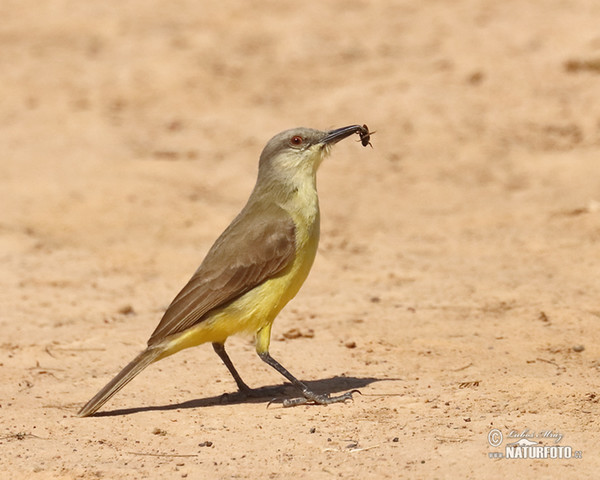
456 283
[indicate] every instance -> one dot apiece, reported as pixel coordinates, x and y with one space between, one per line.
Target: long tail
123 378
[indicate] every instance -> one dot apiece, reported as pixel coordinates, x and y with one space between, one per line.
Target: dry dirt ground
457 280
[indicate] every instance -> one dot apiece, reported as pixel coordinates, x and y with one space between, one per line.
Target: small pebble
126 310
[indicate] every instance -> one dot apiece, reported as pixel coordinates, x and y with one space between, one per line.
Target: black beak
334 136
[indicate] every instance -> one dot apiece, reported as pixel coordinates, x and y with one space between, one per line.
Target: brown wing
256 246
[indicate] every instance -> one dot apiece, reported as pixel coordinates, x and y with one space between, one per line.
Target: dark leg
308 395
220 349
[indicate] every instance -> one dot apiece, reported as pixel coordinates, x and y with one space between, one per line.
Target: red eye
296 140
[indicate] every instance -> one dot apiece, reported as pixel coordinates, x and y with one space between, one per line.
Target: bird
253 269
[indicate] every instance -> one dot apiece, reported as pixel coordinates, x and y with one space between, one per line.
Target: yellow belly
257 308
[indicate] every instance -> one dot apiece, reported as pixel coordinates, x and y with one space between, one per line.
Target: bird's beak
334 136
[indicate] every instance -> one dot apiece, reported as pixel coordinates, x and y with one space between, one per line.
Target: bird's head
301 150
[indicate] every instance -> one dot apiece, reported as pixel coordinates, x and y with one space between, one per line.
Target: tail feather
123 378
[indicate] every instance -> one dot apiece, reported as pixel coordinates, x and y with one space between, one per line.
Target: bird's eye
296 140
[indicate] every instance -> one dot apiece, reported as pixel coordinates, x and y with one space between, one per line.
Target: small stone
126 310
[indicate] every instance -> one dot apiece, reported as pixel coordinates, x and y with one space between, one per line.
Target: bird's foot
313 398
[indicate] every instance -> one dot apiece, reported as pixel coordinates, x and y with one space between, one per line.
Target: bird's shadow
268 394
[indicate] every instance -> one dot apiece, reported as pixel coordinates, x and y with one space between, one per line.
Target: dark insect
365 136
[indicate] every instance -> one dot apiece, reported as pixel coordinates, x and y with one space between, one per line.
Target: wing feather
248 252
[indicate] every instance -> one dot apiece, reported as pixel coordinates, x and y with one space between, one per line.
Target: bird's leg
243 388
308 395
